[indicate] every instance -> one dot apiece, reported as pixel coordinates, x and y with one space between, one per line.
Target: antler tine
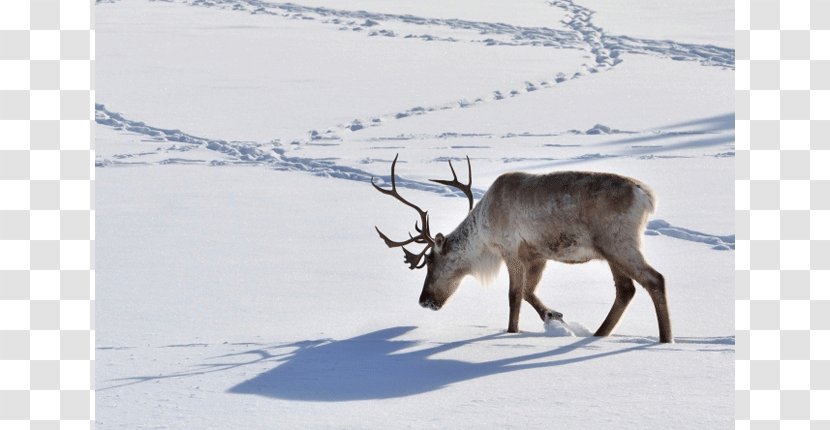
393 244
394 193
409 257
413 259
465 188
423 236
424 231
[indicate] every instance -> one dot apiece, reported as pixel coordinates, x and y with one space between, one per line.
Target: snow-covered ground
241 284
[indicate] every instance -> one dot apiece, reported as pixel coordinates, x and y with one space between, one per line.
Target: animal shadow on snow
376 366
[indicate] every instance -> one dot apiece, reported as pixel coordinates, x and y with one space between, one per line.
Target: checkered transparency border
46 214
782 189
782 308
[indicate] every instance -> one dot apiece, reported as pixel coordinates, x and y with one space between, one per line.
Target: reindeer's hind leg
654 283
630 261
625 292
532 277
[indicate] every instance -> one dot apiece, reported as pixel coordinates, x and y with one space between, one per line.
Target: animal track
270 154
273 155
606 50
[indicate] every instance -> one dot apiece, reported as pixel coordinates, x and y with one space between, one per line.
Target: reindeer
524 220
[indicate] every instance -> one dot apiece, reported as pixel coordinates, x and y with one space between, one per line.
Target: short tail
650 196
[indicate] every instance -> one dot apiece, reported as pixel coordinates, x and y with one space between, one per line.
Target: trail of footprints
606 50
274 156
270 154
606 53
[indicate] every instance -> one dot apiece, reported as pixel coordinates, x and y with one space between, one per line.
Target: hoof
553 316
429 304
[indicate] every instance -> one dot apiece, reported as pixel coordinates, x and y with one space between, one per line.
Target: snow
702 22
562 328
241 284
280 77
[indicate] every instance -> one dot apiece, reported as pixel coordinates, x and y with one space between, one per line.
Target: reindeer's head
442 257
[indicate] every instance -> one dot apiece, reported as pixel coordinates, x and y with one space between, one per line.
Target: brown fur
573 217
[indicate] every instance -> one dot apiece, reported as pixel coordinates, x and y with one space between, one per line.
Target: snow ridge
660 227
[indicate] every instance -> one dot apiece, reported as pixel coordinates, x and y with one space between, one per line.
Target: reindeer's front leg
532 277
516 270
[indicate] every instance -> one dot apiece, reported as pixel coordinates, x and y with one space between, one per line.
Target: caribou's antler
417 261
465 188
423 237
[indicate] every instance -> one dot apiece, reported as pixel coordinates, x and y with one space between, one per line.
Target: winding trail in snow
606 49
274 156
606 53
270 154
369 22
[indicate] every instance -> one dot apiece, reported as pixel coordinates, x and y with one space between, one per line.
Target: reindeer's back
581 204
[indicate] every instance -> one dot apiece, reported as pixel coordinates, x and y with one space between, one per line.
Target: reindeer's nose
430 304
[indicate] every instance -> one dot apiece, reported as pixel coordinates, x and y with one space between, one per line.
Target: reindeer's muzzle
430 304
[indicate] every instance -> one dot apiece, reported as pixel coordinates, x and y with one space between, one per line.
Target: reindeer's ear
439 242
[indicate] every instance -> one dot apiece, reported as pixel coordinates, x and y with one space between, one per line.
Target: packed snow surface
241 284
